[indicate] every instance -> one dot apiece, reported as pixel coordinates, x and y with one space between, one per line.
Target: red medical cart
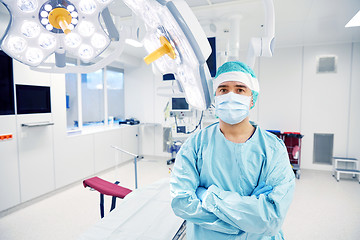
292 142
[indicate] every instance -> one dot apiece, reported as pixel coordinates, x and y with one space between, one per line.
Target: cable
202 114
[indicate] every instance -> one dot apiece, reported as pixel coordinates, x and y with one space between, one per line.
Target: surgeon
233 180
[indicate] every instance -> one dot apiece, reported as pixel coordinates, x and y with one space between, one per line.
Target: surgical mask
232 108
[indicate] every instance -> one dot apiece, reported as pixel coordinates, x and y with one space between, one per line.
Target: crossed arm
228 212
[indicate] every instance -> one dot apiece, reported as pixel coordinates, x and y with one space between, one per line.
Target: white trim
245 78
79 96
105 88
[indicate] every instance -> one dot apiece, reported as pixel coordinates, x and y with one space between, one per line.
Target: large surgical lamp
39 28
176 43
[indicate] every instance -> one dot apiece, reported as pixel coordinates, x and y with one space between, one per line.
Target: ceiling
298 22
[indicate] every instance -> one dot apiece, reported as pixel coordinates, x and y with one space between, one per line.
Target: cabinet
36 155
354 170
9 166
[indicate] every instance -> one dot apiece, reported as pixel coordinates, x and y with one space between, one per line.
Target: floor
322 208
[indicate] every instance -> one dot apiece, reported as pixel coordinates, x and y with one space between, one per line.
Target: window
92 92
115 92
72 103
92 99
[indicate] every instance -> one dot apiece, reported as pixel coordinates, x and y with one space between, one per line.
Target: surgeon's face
235 87
232 86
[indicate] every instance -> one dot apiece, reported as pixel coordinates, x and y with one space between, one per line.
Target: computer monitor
179 104
32 99
168 77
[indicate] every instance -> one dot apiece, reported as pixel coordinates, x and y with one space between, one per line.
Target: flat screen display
32 99
168 76
179 104
7 106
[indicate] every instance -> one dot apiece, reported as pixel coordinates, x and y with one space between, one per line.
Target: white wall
295 98
280 90
325 100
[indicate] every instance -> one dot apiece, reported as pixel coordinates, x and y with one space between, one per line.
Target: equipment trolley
292 142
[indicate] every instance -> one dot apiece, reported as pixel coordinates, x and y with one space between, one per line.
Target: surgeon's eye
222 90
240 90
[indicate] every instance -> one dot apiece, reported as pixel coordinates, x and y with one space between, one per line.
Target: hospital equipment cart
292 142
354 170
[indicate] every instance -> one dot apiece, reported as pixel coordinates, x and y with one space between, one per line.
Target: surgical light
49 27
48 7
27 5
40 28
70 8
47 41
16 44
177 44
86 51
86 28
87 6
44 14
34 55
72 40
30 29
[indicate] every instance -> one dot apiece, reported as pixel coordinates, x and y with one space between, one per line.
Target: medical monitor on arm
179 104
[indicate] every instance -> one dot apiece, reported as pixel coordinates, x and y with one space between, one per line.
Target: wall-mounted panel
323 148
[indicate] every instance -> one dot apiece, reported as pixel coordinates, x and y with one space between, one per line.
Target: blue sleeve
261 216
183 184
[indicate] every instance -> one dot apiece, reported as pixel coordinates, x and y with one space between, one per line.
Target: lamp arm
264 46
268 40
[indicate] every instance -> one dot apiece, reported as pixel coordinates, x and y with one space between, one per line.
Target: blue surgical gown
231 171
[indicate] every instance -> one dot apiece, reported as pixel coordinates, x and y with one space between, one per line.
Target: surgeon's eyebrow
241 85
237 85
